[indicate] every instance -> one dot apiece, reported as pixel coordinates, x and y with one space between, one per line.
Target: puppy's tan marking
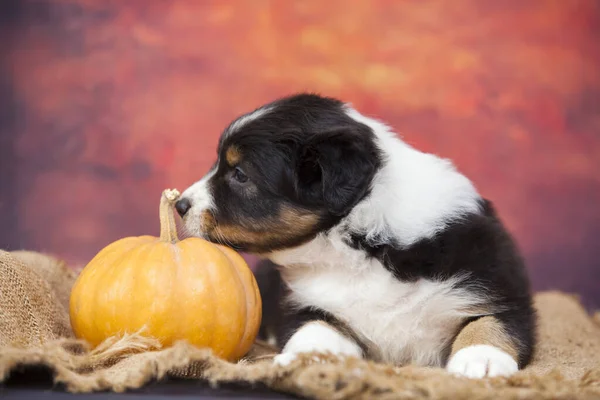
289 223
237 234
233 156
207 221
486 330
294 220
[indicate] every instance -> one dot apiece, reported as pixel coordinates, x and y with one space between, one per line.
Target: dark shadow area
10 11
36 382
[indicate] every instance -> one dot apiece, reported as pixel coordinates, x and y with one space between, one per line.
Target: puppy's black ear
336 167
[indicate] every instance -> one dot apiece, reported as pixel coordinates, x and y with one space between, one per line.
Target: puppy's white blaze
244 119
414 195
482 360
317 337
201 200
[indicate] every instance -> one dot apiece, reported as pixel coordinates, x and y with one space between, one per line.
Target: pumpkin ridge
137 287
241 312
115 274
189 257
254 320
210 285
174 284
219 315
233 265
257 305
175 276
99 288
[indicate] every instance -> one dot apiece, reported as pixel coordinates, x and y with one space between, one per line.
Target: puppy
387 253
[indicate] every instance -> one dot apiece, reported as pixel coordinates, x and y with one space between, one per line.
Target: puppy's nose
183 206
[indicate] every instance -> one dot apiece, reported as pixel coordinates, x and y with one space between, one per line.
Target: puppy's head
284 173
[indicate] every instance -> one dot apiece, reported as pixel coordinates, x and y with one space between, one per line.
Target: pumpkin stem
168 227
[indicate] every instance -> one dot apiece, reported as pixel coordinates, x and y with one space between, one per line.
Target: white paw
284 359
480 361
317 337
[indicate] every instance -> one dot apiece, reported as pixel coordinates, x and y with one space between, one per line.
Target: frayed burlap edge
312 375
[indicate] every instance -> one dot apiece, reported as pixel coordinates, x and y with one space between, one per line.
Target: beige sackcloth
35 330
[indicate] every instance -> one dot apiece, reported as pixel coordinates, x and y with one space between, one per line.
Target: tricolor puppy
386 252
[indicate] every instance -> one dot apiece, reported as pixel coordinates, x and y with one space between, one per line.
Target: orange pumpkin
171 289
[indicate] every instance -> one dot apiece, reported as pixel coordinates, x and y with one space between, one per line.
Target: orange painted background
106 103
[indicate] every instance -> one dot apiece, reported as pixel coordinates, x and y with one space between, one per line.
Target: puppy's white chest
407 322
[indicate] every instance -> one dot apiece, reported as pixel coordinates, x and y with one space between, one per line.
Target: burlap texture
34 331
31 312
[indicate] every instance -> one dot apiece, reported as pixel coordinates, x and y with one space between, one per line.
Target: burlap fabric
34 330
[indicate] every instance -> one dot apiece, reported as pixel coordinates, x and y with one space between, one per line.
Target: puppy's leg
485 347
318 336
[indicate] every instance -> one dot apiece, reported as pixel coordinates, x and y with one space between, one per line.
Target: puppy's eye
239 175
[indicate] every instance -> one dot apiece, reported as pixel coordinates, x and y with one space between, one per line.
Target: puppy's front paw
480 361
317 337
284 359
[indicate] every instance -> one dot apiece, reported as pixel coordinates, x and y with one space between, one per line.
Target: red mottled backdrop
106 103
